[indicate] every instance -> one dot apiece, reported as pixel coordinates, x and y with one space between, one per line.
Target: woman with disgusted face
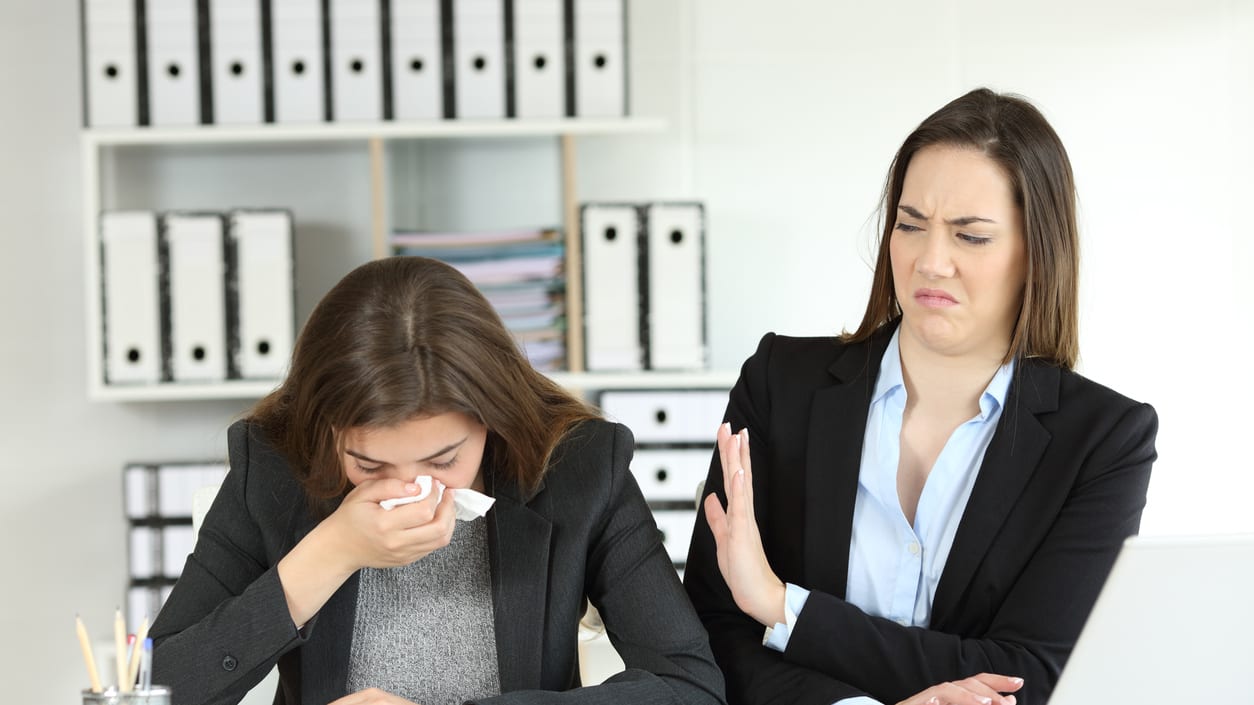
924 510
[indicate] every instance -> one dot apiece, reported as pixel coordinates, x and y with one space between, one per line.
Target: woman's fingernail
411 487
985 700
933 701
1017 681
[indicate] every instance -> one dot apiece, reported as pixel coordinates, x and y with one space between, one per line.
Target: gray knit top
425 631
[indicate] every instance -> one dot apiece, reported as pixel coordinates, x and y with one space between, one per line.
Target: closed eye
908 228
367 468
974 239
445 466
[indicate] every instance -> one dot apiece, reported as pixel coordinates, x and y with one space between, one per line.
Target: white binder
299 78
417 60
667 417
144 552
675 526
197 297
671 475
600 58
356 61
262 243
235 38
177 542
111 63
132 303
612 294
479 58
539 59
676 281
173 63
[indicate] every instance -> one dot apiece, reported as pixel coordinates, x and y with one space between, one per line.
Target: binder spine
328 112
84 65
385 57
141 64
230 250
449 60
267 61
642 284
163 295
511 83
204 45
568 32
104 300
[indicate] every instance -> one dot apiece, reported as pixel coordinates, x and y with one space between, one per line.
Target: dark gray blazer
1062 484
584 534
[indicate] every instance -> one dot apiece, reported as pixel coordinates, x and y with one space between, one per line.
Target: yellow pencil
85 643
133 670
119 640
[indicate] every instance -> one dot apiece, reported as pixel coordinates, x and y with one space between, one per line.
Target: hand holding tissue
467 503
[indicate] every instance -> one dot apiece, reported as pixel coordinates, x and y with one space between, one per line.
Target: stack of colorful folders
522 274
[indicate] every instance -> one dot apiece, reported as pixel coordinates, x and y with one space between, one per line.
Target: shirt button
913 548
229 663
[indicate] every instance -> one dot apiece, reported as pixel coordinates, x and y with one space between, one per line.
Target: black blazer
1062 485
585 532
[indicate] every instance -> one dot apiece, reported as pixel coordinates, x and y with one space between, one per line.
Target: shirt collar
890 380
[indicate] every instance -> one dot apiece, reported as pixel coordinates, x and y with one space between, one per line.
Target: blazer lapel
518 546
1008 465
833 456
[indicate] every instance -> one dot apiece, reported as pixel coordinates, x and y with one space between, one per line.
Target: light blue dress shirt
894 567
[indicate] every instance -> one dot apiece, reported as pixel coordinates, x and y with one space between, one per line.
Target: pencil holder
156 695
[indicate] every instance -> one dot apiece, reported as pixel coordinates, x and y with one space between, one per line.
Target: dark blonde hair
1013 134
407 337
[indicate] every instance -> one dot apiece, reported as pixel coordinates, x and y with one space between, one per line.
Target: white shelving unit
96 144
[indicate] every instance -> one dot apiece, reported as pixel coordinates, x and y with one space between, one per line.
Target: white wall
784 116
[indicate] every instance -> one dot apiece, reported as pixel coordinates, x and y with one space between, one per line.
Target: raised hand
741 558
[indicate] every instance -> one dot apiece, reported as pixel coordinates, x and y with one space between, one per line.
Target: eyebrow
964 220
438 453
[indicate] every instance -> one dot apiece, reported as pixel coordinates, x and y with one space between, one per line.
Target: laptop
1173 624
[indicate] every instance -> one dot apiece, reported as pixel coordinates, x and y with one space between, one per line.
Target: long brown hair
1010 131
406 337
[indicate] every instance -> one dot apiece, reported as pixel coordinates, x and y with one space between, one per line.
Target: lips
934 298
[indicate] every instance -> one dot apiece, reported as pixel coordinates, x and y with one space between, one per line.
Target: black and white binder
173 62
539 59
479 58
612 301
111 63
600 58
357 73
417 60
194 257
260 288
298 78
131 302
676 286
237 74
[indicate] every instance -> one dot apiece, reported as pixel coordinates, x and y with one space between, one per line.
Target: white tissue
467 503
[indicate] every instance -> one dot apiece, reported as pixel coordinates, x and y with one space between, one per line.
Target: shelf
645 380
176 391
578 381
342 132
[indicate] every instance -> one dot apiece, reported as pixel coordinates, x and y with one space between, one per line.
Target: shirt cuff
776 637
860 700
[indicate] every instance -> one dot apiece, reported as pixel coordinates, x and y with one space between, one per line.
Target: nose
935 261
